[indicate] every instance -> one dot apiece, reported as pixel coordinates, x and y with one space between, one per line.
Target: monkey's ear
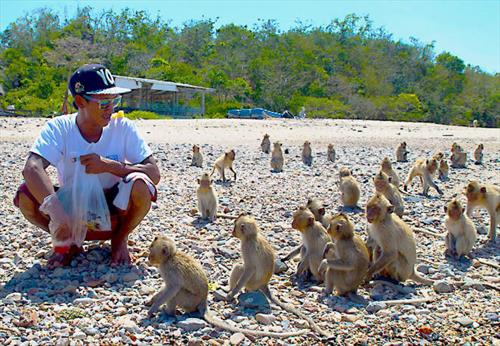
211 181
445 209
390 209
321 211
164 251
337 228
427 161
309 201
389 179
310 221
483 189
463 210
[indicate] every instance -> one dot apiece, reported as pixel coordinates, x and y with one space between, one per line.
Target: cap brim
110 91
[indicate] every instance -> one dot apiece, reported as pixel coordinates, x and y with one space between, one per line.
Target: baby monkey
486 196
307 154
186 286
258 267
478 154
458 156
347 258
277 159
386 167
462 233
402 153
443 170
265 145
318 209
330 154
207 200
383 185
197 160
349 188
225 161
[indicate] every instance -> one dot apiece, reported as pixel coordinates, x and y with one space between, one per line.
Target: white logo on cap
106 76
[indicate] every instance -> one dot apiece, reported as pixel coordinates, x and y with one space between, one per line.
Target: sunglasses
103 104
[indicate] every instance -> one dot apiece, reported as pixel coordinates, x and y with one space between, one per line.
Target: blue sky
468 29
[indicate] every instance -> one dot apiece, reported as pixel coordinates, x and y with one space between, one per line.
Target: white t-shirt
61 143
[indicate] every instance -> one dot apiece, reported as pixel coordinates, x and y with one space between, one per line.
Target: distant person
109 147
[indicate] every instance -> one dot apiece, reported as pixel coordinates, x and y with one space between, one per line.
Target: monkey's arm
381 262
165 295
247 274
292 254
339 264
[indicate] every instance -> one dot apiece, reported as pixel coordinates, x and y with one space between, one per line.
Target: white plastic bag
84 203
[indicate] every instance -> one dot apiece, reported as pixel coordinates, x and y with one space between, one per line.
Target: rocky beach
90 302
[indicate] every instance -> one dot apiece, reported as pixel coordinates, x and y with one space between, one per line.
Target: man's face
100 108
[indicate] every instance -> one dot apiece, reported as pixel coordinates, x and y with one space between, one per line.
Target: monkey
277 159
314 239
458 156
330 153
347 258
443 170
475 123
384 187
462 233
438 156
478 154
186 286
225 161
386 167
307 154
424 169
318 209
395 251
207 198
197 157
402 153
258 266
488 197
265 145
349 188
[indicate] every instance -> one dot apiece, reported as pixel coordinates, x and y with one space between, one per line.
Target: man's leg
138 207
29 208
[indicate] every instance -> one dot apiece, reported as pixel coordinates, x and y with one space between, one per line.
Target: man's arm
96 164
36 178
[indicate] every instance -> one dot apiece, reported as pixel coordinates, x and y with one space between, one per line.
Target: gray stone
265 318
443 287
191 324
373 307
280 266
253 300
236 338
130 277
83 301
464 321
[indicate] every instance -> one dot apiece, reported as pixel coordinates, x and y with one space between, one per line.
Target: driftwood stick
408 301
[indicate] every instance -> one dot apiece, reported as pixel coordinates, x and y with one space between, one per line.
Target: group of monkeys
330 251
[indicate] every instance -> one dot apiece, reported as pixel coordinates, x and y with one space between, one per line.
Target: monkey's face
454 210
329 251
380 181
432 165
316 207
160 250
266 136
344 172
196 149
330 147
244 227
481 146
472 191
403 145
231 155
302 219
386 164
341 228
205 181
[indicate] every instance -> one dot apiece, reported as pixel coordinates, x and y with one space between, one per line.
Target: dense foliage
347 69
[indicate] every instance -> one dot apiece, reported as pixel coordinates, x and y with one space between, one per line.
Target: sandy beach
91 303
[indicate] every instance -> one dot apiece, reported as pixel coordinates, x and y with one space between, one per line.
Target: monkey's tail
210 318
291 309
417 278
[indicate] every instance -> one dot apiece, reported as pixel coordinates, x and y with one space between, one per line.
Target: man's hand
59 224
95 164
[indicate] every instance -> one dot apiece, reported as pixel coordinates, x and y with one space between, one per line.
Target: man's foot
120 254
63 260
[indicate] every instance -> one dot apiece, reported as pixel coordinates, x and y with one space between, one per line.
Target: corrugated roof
165 83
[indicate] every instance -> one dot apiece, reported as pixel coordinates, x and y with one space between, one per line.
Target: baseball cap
94 79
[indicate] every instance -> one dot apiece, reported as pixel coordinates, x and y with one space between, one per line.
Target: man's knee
26 205
140 194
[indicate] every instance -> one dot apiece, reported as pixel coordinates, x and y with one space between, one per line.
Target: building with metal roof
163 97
